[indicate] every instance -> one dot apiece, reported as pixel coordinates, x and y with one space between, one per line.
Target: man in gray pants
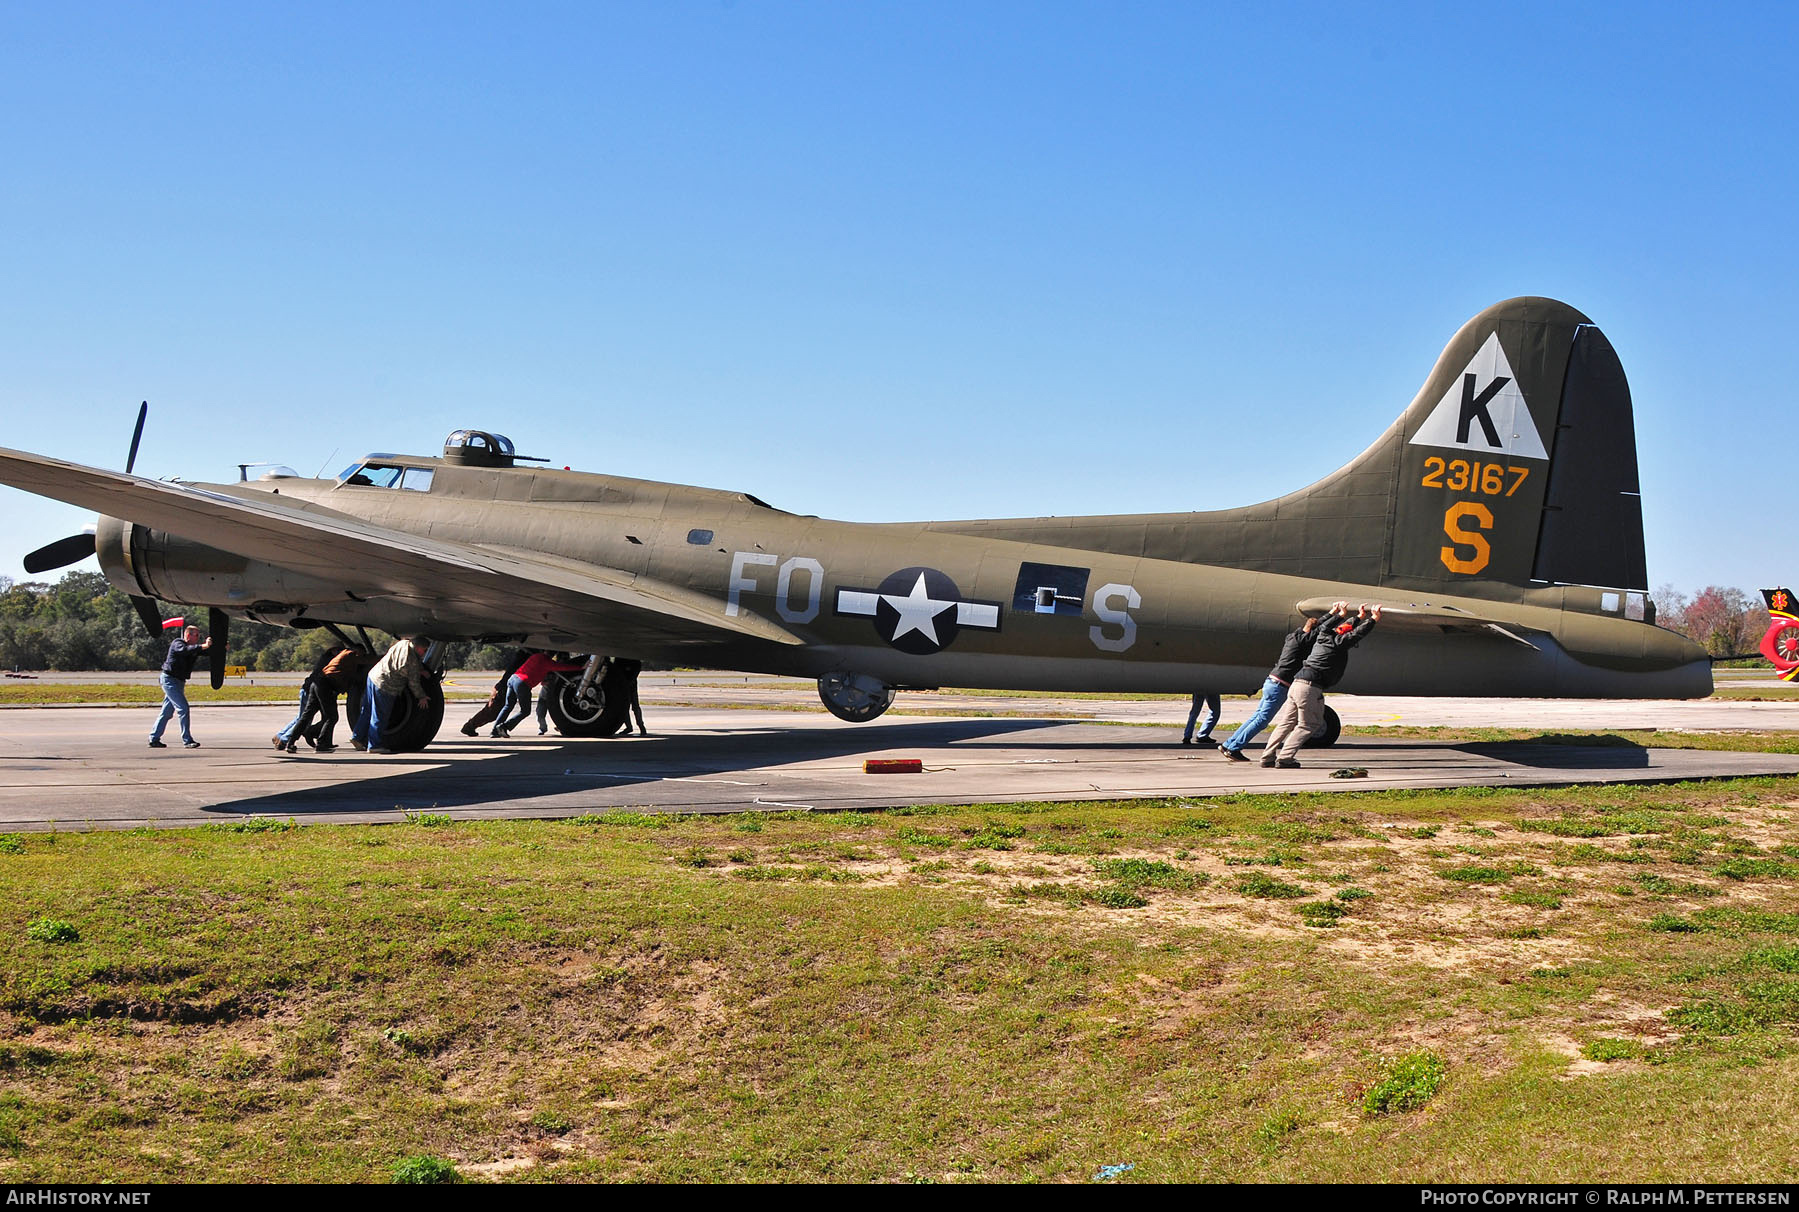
1303 715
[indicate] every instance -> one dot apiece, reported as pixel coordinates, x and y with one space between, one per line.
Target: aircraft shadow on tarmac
1563 751
548 768
554 766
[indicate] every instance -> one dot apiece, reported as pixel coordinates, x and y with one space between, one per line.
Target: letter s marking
1103 599
1482 517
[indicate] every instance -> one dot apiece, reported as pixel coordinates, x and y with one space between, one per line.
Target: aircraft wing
1424 617
516 590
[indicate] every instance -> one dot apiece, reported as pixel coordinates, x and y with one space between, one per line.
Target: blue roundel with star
918 610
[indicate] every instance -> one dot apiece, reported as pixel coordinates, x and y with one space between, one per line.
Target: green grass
1152 873
1267 887
1537 900
1322 914
868 997
1475 873
424 1170
1407 1084
51 930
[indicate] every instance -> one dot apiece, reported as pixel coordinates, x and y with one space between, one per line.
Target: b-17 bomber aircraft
1498 521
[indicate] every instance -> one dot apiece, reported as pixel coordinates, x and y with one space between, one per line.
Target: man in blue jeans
1209 700
1294 651
177 668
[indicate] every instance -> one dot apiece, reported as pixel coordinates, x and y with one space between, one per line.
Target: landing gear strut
601 710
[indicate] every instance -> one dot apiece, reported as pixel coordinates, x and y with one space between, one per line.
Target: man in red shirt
519 686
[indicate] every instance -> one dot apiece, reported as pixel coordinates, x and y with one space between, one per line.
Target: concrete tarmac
76 768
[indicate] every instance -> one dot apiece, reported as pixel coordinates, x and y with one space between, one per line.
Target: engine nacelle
153 563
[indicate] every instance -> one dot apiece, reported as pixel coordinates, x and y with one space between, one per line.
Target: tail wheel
602 713
411 727
1333 728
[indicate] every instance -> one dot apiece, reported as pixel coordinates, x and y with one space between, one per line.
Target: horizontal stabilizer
1422 616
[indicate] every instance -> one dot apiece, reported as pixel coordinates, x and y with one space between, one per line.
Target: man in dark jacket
341 670
309 706
1294 651
177 668
1303 715
347 674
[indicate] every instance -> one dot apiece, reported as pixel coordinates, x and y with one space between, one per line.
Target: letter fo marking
741 584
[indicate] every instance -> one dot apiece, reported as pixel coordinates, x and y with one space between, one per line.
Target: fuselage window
418 479
699 538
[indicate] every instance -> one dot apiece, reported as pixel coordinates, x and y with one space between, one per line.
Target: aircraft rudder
1516 463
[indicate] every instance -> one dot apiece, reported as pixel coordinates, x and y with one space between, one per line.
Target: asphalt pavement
73 768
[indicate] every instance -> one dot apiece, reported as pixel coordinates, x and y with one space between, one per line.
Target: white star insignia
918 611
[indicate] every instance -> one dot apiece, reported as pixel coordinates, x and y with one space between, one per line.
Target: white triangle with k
1484 411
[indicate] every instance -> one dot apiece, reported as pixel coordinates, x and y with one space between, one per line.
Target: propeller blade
137 435
63 551
152 617
218 625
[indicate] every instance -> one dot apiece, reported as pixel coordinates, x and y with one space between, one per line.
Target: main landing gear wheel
602 713
854 697
411 728
1333 728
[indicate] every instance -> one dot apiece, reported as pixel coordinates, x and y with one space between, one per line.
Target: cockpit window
376 474
387 475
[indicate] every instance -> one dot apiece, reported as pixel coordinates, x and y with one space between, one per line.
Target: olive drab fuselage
1497 521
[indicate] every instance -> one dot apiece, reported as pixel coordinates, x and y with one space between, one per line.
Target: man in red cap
177 667
1303 716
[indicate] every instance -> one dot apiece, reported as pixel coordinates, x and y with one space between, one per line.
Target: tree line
83 623
1725 622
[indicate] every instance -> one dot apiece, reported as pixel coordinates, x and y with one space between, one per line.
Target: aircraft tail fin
1516 465
1513 470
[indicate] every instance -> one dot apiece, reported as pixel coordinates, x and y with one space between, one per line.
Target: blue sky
881 261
